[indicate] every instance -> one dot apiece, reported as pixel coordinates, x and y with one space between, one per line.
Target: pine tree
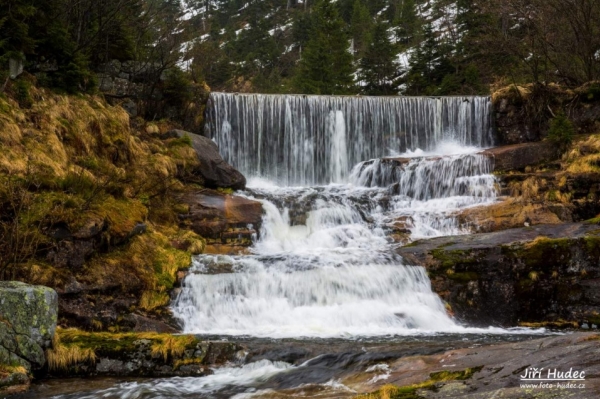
326 64
379 68
360 27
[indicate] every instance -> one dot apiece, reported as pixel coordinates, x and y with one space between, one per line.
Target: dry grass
61 357
163 345
584 156
512 92
89 167
151 300
148 263
6 369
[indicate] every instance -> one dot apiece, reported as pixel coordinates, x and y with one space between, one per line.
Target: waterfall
335 208
429 178
308 140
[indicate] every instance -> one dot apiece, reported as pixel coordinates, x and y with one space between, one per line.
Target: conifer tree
429 65
407 21
326 64
379 68
360 27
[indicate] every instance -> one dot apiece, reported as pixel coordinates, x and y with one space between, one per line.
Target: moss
149 262
115 345
185 141
453 258
558 324
463 277
152 300
412 391
455 375
541 254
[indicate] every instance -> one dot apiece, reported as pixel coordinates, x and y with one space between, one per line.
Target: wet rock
145 324
531 274
515 157
222 219
495 370
214 171
512 213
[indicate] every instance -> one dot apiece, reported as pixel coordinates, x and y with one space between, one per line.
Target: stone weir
299 140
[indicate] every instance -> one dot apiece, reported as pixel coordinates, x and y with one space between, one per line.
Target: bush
22 95
561 131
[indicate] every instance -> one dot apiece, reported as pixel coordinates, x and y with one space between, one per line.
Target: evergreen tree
428 65
406 21
379 68
326 65
360 27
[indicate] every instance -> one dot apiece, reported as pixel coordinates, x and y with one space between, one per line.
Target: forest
382 47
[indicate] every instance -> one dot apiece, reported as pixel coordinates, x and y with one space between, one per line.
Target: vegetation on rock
89 202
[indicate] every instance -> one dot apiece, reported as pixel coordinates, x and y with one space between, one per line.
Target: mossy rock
28 316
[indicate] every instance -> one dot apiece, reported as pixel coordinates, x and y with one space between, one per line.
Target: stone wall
523 113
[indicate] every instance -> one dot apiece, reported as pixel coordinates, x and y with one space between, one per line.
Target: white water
311 140
333 272
234 378
325 265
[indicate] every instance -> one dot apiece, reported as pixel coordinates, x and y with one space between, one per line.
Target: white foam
244 376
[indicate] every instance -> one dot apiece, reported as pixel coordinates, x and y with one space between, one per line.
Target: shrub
561 131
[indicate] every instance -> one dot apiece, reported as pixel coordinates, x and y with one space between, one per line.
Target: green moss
116 345
463 277
185 141
453 258
542 254
455 375
228 191
557 325
412 391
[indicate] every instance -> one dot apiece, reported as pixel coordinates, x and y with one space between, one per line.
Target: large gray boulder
28 316
215 172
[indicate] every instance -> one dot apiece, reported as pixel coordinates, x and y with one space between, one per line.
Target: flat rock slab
420 248
501 367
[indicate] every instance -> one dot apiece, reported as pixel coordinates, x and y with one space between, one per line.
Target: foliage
561 131
326 64
378 68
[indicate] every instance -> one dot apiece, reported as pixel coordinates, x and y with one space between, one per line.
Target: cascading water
298 140
324 265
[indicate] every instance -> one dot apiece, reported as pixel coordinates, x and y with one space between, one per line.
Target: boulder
214 171
541 274
228 223
28 317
